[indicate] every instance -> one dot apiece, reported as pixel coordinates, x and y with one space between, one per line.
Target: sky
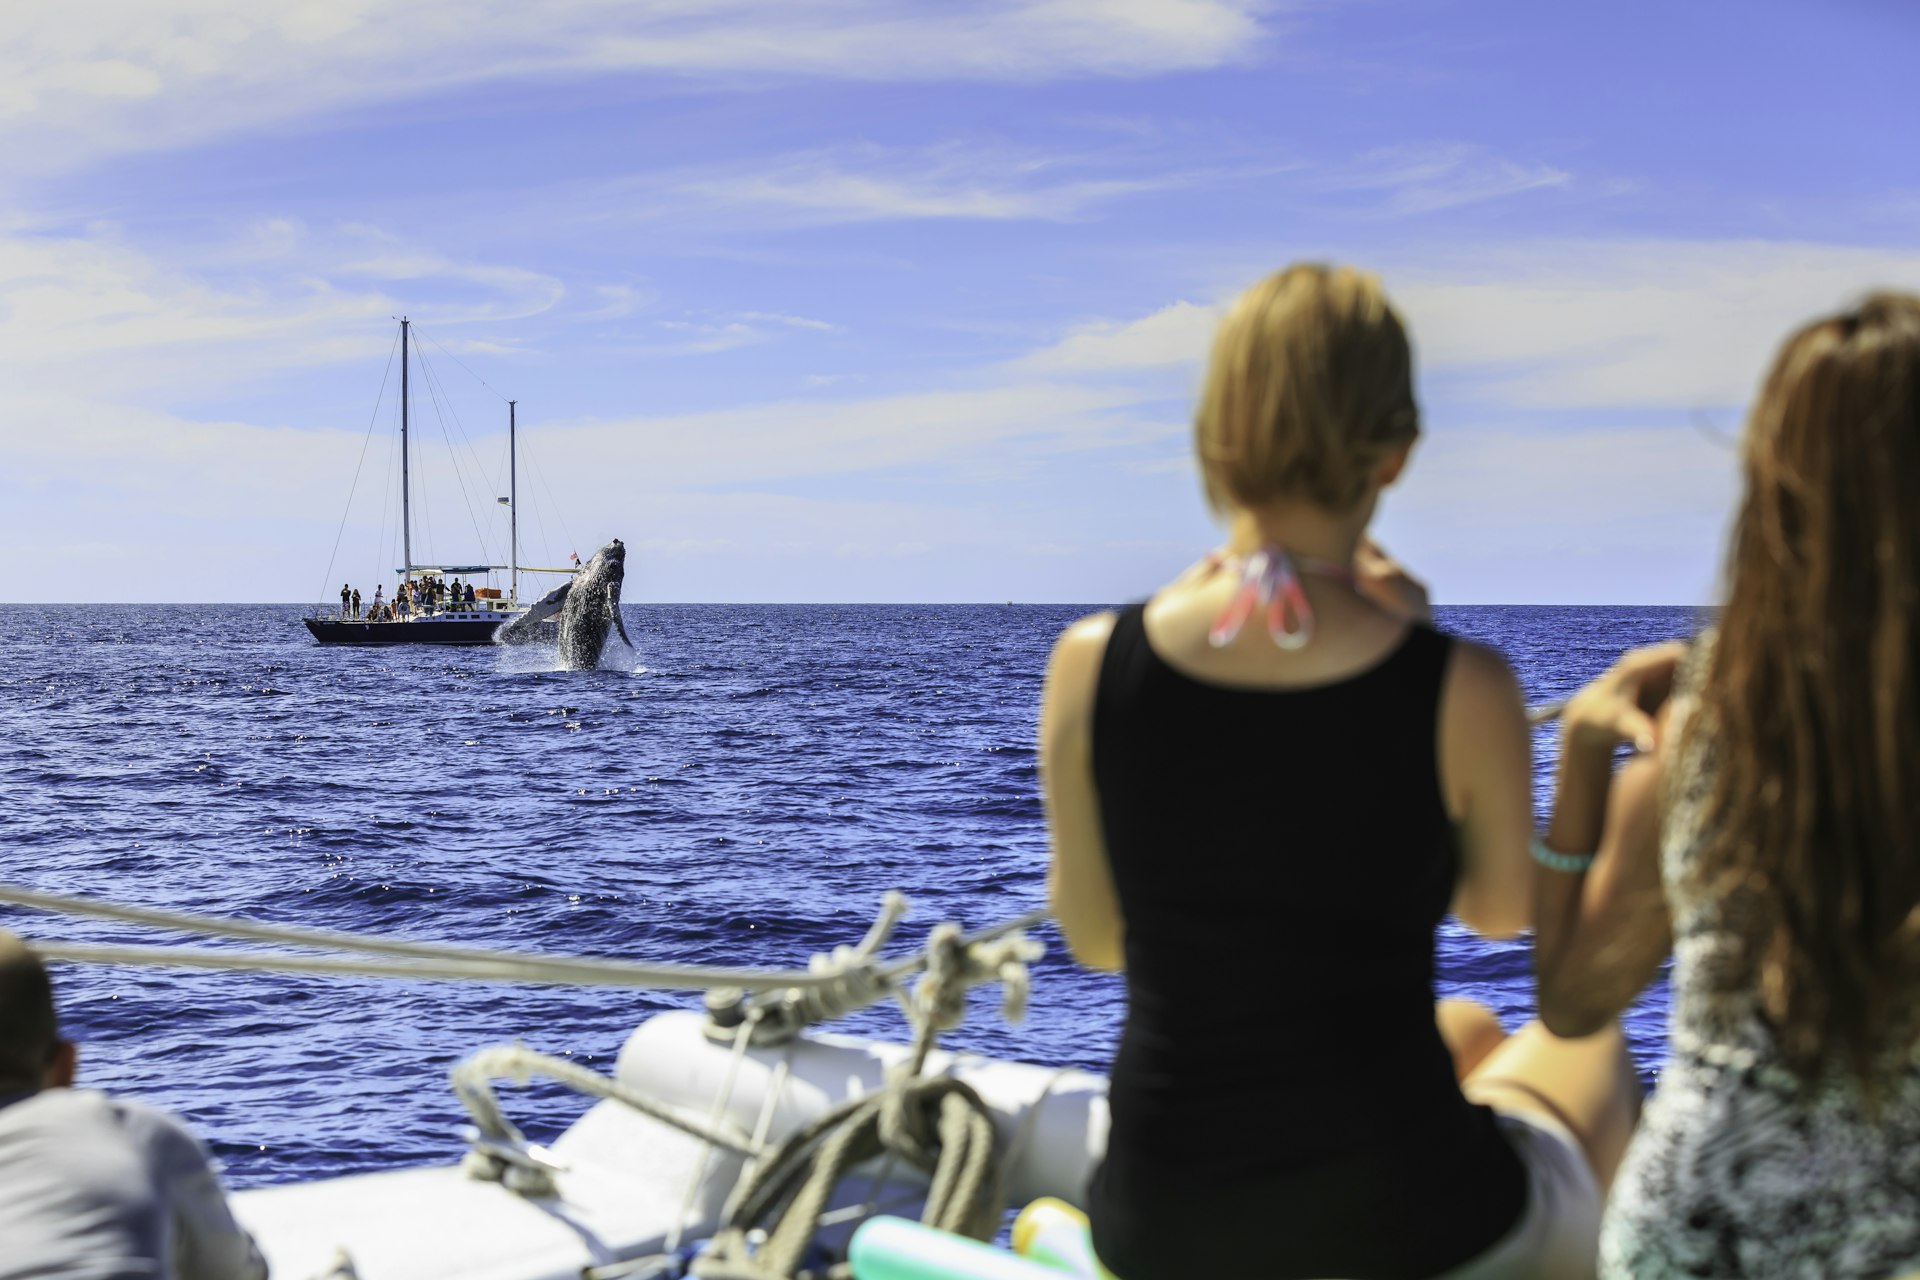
886 300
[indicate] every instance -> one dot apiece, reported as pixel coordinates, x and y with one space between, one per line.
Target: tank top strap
1127 658
1423 657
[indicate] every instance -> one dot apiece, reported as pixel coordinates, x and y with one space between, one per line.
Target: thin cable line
457 360
365 440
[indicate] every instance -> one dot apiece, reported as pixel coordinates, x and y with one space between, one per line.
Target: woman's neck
1301 529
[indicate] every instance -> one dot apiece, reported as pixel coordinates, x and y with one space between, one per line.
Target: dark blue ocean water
745 797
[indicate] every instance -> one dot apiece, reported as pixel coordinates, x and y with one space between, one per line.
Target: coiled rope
937 1125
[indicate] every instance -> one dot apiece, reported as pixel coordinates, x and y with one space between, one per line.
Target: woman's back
1281 857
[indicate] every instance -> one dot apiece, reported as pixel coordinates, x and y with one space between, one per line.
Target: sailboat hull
430 630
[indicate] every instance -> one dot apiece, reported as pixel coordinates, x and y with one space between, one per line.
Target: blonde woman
1783 875
1266 786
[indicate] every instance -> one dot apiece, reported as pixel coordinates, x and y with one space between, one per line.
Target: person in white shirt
94 1187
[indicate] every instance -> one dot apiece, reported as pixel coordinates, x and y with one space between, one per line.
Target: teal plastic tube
886 1248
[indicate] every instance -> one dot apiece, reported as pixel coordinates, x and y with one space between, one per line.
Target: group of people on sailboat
1269 782
428 594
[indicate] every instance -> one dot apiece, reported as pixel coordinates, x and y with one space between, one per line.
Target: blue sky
852 300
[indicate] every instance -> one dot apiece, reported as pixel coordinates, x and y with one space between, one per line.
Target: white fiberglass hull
629 1180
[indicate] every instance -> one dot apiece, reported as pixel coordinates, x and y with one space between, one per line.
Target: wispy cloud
124 319
81 80
1561 323
872 183
1176 334
792 322
1425 179
617 301
713 334
1683 324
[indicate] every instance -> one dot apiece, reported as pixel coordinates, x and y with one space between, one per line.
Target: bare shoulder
1074 669
1479 681
1085 639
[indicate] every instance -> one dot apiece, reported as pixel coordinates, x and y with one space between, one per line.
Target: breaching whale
588 608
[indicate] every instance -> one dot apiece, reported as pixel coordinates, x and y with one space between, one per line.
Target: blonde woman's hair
1309 387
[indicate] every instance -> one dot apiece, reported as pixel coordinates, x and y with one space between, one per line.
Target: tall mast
406 505
513 501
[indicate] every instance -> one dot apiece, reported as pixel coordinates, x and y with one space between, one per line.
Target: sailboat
459 624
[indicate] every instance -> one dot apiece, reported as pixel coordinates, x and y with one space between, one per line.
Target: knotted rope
937 1125
940 1126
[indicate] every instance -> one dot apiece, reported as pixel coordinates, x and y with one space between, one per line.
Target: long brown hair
1812 700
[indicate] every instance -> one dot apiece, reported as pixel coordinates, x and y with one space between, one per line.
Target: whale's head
608 565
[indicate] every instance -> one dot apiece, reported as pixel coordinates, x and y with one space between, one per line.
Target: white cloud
618 302
1672 323
228 502
730 332
95 309
792 322
95 76
1595 515
1424 179
761 443
1177 334
873 183
1563 324
93 326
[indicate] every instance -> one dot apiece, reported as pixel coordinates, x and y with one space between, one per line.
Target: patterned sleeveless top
1739 1168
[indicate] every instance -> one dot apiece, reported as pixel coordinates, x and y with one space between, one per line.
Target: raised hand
1623 703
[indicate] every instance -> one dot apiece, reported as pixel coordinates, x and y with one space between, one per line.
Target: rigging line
354 488
442 408
479 962
428 554
457 360
546 545
480 470
541 477
388 492
473 457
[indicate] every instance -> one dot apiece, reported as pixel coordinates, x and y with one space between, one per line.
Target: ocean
742 792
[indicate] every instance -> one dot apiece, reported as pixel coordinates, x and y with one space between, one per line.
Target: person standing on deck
93 1186
346 598
356 602
1266 786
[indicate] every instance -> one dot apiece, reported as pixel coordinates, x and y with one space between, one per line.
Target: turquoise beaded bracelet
1553 860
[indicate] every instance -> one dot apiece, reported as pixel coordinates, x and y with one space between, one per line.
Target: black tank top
1282 1102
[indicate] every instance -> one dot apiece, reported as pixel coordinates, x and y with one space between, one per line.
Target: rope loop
939 1126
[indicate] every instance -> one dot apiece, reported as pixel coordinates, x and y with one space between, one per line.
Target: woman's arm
1486 769
1079 883
1602 932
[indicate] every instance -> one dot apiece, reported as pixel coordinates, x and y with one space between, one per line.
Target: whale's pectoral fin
551 603
527 626
613 607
